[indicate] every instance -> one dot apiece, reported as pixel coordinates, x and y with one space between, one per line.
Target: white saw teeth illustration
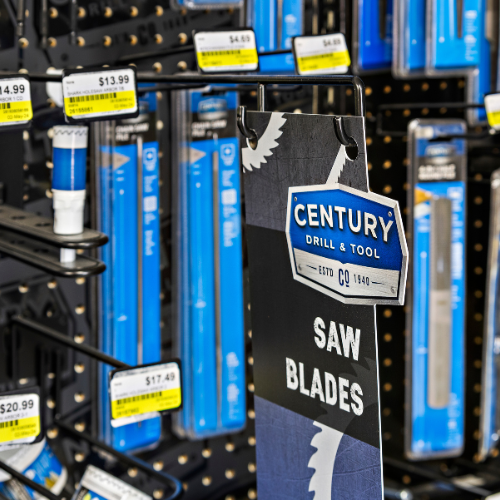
338 165
255 157
327 443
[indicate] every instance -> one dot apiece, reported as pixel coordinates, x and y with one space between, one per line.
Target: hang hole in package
323 250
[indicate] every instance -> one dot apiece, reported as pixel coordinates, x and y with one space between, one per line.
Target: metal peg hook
344 139
261 97
249 133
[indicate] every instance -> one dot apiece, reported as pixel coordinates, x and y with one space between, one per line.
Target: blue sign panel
346 243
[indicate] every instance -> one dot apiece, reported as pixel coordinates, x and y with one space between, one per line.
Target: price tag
321 55
140 393
492 105
100 95
226 51
15 102
97 484
19 419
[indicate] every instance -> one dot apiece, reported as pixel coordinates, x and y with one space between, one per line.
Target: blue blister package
130 287
453 37
489 420
39 463
209 280
275 23
409 39
436 320
482 80
372 35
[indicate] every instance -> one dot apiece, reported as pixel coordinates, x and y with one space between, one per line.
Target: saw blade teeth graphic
326 443
338 165
255 157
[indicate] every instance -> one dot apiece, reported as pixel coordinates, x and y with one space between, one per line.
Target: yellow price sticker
99 94
217 58
321 54
15 101
12 112
220 51
493 118
13 430
146 403
108 102
323 61
140 393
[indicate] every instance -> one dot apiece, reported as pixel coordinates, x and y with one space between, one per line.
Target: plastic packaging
436 299
372 35
36 461
409 39
453 37
489 420
68 178
275 23
208 259
482 80
128 178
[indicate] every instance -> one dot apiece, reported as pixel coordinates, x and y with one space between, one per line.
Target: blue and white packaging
372 35
409 38
453 37
482 80
208 259
130 287
97 484
69 151
275 23
38 463
436 299
489 420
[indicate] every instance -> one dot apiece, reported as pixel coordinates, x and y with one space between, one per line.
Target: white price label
321 55
19 419
100 94
97 482
223 51
492 105
15 101
140 393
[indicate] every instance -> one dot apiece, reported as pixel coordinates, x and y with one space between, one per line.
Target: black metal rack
63 309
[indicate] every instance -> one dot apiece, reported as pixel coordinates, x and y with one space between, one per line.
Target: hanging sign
323 250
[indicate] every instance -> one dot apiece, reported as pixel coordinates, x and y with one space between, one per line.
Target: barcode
221 53
97 97
5 105
321 56
139 398
12 423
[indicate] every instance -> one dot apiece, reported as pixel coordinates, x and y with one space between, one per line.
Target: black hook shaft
241 120
344 139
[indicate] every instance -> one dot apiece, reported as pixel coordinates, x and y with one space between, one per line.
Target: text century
315 215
